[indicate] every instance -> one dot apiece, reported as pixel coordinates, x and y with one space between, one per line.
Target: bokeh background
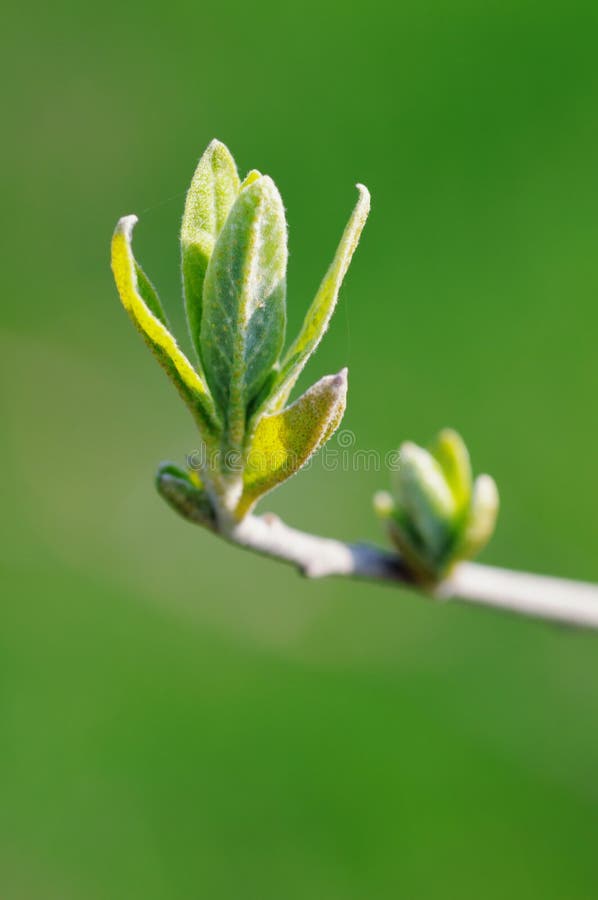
179 719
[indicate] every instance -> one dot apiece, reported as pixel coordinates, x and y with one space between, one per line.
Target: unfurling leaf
283 442
143 306
318 316
243 320
213 190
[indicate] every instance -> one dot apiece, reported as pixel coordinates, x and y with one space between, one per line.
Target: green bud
425 504
434 516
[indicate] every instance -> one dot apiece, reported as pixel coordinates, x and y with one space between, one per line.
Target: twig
538 596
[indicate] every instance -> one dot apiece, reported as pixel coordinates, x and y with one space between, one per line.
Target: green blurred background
179 719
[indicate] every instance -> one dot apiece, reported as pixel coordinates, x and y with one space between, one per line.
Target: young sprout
234 261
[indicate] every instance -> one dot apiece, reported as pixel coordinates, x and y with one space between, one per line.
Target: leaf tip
364 196
342 378
261 184
449 434
487 490
125 226
217 148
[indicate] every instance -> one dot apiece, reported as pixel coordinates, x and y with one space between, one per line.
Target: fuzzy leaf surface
283 442
244 313
320 312
185 493
213 190
143 306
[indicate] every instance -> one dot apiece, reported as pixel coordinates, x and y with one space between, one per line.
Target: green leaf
481 520
424 497
143 306
319 314
243 322
150 295
451 453
213 190
422 565
283 442
185 493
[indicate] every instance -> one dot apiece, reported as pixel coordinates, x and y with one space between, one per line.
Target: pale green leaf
242 328
283 442
481 520
451 453
319 314
141 302
424 497
213 190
